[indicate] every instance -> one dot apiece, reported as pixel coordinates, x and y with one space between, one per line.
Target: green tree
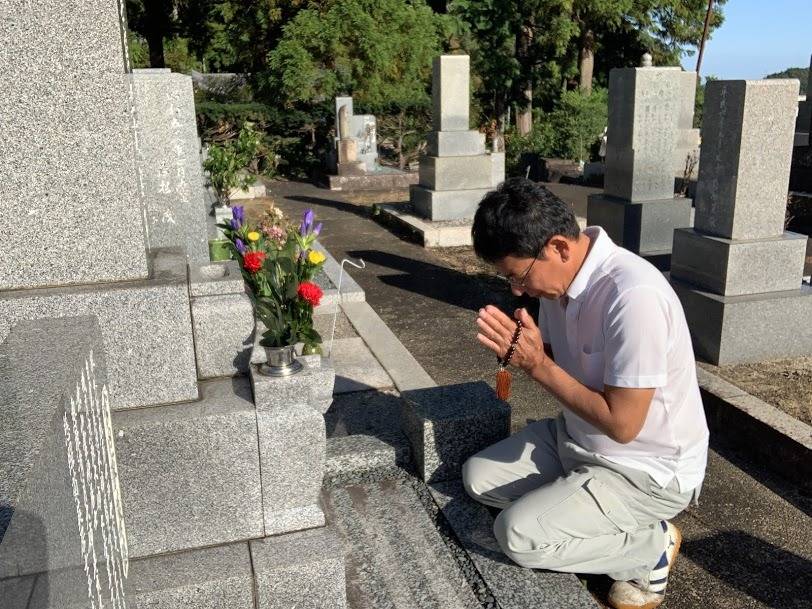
527 51
801 74
380 51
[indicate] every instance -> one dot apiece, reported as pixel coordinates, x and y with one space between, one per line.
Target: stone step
211 578
512 586
361 458
364 440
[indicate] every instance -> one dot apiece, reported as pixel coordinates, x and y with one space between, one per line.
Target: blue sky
758 38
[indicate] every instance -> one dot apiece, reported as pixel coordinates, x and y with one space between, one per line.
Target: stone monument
362 128
458 171
803 122
638 208
347 146
169 162
737 272
188 453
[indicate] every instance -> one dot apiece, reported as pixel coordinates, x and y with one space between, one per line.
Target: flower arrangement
278 263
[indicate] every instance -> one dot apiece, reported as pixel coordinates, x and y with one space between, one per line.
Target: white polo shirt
621 324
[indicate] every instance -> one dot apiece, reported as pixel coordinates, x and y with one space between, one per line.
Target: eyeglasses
520 282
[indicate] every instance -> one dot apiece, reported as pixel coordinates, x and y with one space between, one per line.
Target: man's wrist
540 368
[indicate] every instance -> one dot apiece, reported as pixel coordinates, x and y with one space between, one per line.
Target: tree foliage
801 74
380 51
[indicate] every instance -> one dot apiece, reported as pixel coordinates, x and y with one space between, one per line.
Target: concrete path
746 545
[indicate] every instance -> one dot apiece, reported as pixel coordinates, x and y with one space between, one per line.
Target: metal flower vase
281 361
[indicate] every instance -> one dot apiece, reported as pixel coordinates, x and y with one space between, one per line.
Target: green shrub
577 123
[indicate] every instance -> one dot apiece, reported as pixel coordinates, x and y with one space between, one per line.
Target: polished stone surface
60 504
456 172
446 425
356 368
146 327
395 555
747 137
512 586
292 450
303 570
210 578
450 91
440 205
747 328
643 227
644 110
223 327
169 162
736 267
190 473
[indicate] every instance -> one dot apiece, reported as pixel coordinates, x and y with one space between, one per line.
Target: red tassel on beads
504 377
503 380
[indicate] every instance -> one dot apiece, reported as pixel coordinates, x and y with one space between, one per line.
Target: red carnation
310 292
252 261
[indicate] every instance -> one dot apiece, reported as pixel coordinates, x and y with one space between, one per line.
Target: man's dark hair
518 219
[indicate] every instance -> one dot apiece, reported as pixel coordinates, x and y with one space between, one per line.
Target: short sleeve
636 331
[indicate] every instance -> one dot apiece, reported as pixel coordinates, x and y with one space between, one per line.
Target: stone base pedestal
303 569
379 180
190 473
222 320
355 168
292 447
643 227
439 205
737 267
210 578
403 217
447 425
456 143
145 324
747 328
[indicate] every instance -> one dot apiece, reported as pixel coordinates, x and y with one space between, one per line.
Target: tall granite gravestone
687 137
63 542
458 171
803 122
72 227
638 208
737 272
169 162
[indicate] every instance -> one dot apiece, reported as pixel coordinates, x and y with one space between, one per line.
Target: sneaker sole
657 603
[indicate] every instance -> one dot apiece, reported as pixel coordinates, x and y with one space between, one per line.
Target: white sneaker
648 593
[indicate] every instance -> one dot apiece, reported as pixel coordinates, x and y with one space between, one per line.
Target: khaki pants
566 509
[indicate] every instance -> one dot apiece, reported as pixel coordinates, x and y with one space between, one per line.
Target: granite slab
512 586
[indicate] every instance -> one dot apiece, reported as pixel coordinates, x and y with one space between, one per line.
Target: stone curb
405 371
773 438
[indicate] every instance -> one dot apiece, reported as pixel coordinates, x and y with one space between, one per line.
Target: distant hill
801 74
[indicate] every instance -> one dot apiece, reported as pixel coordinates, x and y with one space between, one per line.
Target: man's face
547 276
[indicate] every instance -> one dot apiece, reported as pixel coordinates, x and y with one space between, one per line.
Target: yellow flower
253 236
316 257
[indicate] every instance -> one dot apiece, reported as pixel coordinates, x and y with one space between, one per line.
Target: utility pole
704 38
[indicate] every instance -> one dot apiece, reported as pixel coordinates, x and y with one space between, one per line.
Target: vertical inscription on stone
92 463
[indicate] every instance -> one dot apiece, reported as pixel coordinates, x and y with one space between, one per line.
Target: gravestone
62 541
638 208
169 161
458 171
362 129
737 272
76 243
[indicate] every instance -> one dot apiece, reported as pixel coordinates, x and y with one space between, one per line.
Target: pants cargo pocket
611 506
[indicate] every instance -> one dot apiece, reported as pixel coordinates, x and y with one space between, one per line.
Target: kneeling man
593 490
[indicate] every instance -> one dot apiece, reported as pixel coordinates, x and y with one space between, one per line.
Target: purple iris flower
240 246
235 224
317 230
238 213
307 223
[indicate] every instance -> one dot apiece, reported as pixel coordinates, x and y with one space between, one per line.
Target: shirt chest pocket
592 367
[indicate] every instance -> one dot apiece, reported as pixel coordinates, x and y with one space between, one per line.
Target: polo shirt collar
602 247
